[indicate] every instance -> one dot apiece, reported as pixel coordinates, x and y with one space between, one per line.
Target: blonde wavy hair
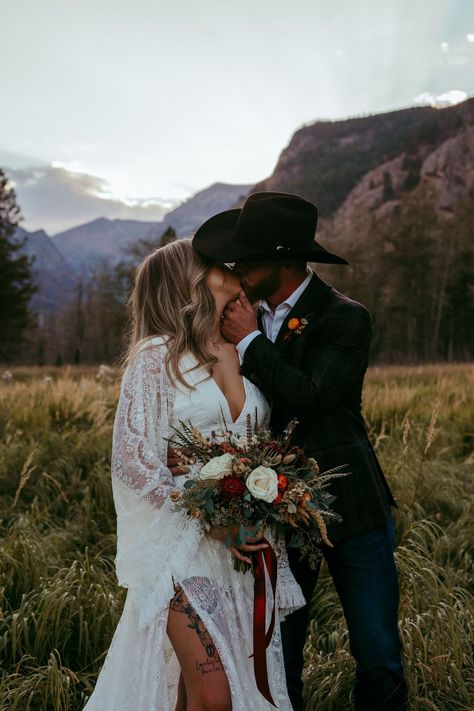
170 298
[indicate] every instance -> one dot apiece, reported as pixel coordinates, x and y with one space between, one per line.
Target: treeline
89 329
415 273
92 328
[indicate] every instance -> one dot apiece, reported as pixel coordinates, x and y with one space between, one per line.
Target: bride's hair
170 298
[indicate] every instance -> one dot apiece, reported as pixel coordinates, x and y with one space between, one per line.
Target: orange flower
282 482
294 323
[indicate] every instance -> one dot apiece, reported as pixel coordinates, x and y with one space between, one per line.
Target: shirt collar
293 298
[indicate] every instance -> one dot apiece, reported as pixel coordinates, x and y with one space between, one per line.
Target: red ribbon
261 639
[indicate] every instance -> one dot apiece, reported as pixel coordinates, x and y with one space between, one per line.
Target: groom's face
260 280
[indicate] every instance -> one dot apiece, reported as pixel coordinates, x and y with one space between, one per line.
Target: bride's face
223 284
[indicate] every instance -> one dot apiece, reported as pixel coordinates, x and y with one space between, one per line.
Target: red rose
227 448
282 482
231 487
278 499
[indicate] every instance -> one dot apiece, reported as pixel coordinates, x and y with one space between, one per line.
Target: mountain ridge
323 161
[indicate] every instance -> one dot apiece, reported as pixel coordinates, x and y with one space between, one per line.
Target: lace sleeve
139 448
154 542
289 596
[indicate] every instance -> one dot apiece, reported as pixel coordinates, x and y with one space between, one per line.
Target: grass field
59 600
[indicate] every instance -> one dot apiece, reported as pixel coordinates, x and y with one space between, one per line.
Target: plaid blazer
317 376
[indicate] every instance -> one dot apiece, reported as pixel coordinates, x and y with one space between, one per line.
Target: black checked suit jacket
317 376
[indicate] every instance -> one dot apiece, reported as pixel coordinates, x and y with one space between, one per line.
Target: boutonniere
296 326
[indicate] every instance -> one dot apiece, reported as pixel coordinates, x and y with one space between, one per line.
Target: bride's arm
141 423
155 543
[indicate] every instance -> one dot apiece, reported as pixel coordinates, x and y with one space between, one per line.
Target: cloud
470 37
449 98
58 196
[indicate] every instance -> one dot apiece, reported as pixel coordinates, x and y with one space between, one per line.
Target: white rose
241 442
217 467
262 483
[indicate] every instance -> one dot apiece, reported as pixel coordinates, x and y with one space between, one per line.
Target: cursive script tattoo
180 603
211 665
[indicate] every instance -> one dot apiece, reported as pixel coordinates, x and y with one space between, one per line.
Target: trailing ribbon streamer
261 639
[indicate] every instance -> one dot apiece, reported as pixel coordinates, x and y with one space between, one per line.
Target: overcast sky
122 108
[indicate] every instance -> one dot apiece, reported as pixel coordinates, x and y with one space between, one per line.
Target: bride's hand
221 534
175 461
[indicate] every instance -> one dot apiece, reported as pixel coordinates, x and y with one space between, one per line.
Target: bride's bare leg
181 701
207 688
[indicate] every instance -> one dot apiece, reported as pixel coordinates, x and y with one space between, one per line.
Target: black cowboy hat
269 227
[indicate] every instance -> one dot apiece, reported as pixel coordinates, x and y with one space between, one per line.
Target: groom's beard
264 288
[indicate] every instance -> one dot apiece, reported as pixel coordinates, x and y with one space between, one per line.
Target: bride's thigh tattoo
180 603
209 666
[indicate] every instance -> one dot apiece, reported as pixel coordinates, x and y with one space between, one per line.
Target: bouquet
254 481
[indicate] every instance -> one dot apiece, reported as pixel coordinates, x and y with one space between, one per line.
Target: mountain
53 275
326 160
187 217
447 171
87 245
105 240
410 249
396 199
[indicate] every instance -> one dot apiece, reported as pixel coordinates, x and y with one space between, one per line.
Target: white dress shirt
273 320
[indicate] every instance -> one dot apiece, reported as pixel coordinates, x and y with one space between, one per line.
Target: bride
184 641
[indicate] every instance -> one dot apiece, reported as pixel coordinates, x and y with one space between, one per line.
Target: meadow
59 598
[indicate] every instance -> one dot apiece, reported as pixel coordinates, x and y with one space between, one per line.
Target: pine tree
169 235
16 286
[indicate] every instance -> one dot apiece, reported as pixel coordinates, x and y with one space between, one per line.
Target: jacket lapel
311 302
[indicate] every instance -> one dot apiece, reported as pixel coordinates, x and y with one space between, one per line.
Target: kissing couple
235 323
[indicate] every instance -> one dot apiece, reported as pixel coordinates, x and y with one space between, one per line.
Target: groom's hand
239 319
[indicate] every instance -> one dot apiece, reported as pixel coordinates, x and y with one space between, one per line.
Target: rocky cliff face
448 172
326 161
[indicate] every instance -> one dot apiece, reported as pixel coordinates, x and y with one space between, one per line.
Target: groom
307 348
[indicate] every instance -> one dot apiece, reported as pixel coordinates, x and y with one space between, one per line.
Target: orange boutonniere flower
293 324
296 325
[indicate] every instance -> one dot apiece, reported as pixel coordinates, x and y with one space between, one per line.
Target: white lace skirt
141 672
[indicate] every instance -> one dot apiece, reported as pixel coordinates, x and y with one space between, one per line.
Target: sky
125 108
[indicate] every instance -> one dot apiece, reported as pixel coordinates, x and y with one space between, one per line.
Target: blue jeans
364 574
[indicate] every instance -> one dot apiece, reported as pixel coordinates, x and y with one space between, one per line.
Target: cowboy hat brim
216 240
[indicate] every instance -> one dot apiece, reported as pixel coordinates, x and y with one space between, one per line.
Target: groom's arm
329 370
328 373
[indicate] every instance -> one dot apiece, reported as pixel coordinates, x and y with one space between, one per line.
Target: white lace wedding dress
156 545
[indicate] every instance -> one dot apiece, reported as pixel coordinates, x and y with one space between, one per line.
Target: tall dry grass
59 601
